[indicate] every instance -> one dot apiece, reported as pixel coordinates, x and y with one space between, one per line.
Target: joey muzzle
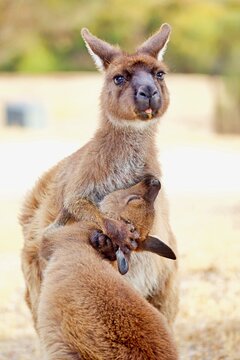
153 187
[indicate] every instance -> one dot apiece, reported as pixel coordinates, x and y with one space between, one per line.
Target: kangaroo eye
119 80
160 75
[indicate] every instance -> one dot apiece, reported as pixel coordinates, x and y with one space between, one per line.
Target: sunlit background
49 94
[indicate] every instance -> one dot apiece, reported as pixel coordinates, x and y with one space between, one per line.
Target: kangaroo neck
117 157
124 138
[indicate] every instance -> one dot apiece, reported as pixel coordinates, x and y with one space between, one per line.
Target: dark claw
102 240
134 244
94 239
103 245
131 228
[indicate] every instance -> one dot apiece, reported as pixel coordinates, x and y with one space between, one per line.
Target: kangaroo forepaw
103 244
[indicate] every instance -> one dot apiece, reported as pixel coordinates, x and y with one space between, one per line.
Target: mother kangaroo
121 153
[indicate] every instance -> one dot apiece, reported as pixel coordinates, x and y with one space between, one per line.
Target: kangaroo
121 153
87 310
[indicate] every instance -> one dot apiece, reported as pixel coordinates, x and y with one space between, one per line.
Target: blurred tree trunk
227 111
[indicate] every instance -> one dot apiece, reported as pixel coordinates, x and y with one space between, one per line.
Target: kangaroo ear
101 52
156 45
156 246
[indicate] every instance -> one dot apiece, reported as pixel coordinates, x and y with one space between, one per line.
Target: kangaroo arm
82 210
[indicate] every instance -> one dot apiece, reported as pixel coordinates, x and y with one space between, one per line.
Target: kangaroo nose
147 97
146 92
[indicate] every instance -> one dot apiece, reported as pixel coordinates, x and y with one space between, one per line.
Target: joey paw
131 236
103 244
117 242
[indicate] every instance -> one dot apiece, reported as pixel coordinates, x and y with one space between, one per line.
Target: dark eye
119 80
133 197
160 75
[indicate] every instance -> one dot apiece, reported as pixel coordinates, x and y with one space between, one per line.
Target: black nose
146 92
151 180
153 186
147 97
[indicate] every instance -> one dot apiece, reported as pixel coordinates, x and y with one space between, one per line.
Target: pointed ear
156 246
156 45
101 52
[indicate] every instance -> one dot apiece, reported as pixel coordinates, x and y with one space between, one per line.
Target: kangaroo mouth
147 114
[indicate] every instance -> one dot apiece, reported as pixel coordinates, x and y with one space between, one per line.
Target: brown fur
89 311
120 154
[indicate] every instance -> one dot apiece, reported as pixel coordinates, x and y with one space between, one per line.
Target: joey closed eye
133 197
119 80
160 75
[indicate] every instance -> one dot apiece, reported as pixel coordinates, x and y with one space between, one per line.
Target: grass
208 323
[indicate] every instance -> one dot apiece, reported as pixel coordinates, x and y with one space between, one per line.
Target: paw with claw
103 244
116 243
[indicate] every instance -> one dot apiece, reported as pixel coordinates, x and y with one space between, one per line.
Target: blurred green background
43 36
40 36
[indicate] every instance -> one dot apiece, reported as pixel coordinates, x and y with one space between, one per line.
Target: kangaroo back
88 310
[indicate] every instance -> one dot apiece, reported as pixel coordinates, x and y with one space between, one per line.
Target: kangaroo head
134 90
136 206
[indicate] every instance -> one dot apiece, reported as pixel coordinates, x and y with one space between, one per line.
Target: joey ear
101 52
156 45
157 246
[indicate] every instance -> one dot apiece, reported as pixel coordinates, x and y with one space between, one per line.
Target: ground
202 178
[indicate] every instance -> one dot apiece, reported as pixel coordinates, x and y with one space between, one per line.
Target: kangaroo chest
143 274
124 170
